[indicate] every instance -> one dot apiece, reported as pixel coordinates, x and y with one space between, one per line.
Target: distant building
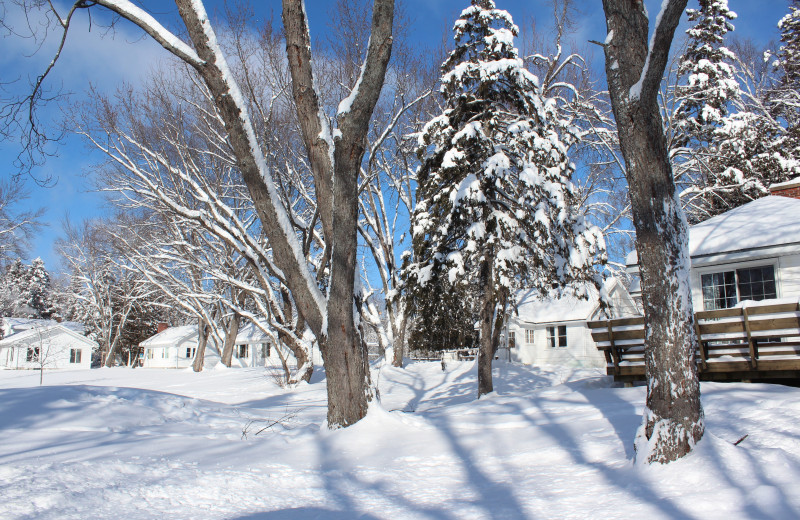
554 330
175 347
36 344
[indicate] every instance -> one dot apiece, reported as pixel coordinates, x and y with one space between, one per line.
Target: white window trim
733 266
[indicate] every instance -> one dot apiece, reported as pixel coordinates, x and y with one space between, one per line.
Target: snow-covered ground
551 443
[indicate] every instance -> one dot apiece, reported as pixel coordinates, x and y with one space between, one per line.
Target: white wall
579 352
56 349
787 275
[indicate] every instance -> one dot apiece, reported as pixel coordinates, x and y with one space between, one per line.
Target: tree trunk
202 341
230 340
673 416
399 342
485 343
113 350
305 368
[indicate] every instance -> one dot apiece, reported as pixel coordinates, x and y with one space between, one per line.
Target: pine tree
706 67
496 206
37 295
758 145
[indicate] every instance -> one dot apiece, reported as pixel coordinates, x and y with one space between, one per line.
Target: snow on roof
769 221
765 222
250 334
12 326
171 337
532 308
33 334
783 185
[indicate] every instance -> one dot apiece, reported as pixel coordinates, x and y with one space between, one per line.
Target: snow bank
552 443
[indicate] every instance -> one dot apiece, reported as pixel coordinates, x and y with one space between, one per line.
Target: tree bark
673 416
343 352
230 340
202 341
485 344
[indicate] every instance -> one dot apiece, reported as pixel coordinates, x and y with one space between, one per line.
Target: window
560 339
190 352
164 353
724 290
74 355
33 354
244 351
529 335
149 353
512 339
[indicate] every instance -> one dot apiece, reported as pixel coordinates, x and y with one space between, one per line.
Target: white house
748 253
46 345
175 347
555 331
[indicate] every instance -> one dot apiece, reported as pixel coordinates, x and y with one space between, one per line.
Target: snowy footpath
550 443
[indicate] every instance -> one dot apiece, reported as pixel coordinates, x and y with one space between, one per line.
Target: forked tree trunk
305 368
337 195
230 340
113 350
673 416
202 341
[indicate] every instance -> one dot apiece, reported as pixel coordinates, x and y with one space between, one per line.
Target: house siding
579 352
57 349
787 275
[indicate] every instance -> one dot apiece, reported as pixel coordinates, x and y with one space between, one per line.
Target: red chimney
162 327
787 189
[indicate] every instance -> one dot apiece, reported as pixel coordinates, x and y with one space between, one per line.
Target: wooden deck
741 344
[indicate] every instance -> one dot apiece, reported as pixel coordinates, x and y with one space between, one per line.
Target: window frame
735 268
530 336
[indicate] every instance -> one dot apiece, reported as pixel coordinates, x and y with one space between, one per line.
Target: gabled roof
766 222
32 335
569 306
12 326
250 334
172 336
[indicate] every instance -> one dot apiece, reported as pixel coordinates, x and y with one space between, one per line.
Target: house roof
31 335
172 336
250 334
13 326
766 222
187 335
532 308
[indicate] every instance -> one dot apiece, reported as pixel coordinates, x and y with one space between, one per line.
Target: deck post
614 352
750 342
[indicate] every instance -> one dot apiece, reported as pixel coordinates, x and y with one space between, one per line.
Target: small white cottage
748 253
554 330
46 345
175 347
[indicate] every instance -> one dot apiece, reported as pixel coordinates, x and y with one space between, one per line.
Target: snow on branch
658 52
151 26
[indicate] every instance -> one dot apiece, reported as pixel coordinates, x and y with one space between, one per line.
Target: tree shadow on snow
306 513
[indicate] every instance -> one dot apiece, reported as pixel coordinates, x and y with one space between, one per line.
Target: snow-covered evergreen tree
38 290
496 206
25 291
13 287
739 155
709 84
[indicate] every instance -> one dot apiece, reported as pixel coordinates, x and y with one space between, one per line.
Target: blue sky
105 61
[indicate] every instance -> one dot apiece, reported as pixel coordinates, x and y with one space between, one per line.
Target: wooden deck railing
744 343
